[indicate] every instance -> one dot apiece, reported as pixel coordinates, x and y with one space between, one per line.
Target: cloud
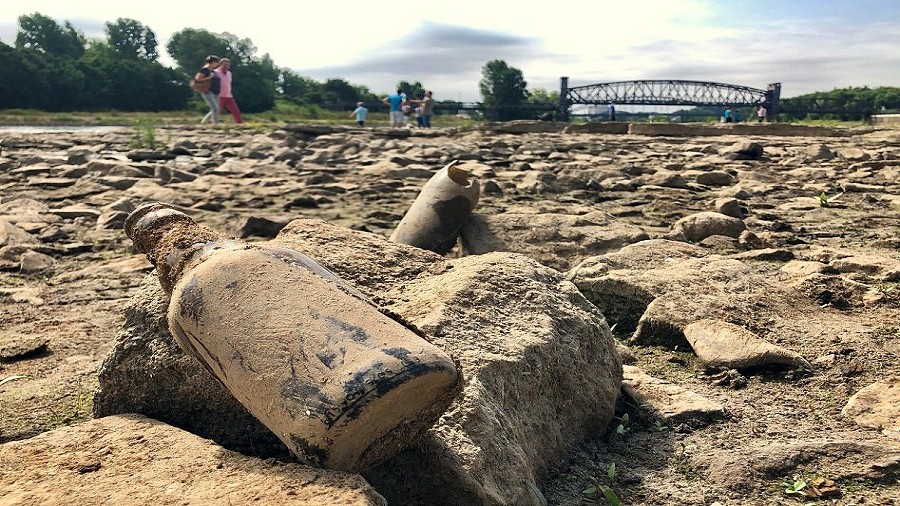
450 57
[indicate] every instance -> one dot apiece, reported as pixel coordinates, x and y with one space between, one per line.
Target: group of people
733 116
217 72
402 107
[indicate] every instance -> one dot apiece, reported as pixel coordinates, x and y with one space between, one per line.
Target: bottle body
339 382
439 211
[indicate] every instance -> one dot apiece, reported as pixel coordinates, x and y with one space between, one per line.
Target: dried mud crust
731 461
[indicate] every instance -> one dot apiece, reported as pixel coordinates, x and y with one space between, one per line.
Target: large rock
555 240
529 344
131 459
657 288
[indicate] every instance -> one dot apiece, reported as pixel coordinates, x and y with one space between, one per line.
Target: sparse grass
76 408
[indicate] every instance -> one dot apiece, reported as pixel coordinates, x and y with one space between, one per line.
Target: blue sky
806 45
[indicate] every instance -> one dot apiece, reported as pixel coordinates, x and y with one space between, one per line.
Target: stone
555 240
32 262
876 406
11 235
131 459
743 150
729 206
699 226
723 345
14 346
668 401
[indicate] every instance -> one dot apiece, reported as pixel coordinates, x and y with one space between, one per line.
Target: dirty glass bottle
341 383
439 211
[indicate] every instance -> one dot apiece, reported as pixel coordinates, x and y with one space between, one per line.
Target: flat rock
131 459
15 346
840 459
699 226
876 406
670 402
721 344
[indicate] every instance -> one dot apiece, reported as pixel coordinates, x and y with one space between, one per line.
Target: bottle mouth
136 215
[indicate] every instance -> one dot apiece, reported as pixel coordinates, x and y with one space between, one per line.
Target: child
360 112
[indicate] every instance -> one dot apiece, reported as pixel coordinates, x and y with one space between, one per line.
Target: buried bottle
341 383
439 211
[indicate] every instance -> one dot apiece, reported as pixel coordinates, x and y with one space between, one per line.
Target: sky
807 45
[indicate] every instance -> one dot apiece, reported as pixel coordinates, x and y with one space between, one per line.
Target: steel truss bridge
667 92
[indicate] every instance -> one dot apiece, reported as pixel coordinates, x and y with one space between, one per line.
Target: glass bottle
341 383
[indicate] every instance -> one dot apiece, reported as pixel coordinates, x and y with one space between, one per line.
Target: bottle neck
170 239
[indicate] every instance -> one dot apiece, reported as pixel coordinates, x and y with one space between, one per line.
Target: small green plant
623 427
76 409
824 200
598 488
659 426
794 487
144 135
683 464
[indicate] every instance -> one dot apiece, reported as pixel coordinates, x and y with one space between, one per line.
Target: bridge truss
668 92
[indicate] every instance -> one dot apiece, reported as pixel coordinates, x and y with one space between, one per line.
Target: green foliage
598 488
794 487
623 427
144 135
43 34
542 96
845 104
503 91
131 40
413 91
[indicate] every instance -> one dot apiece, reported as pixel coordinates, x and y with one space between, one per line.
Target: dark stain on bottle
187 340
341 329
191 302
307 452
452 214
327 358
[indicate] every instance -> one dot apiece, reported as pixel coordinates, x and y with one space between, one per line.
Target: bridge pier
563 113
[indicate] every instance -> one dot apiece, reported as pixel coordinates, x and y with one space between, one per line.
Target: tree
541 96
43 34
132 40
414 90
503 91
190 47
338 93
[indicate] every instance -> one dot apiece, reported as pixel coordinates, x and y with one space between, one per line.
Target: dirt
780 426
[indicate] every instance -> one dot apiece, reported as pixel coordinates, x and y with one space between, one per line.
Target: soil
781 425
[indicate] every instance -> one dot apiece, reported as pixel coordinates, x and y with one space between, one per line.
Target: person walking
226 99
727 115
360 113
611 111
211 97
395 102
761 113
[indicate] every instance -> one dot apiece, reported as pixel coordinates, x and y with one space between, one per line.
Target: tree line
53 67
